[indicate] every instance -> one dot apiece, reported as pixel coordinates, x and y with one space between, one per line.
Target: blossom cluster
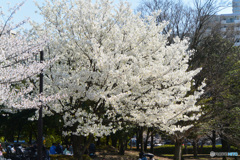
115 66
18 63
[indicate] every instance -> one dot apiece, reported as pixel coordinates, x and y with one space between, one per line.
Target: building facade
228 24
236 6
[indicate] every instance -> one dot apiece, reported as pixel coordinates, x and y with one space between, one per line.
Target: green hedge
165 149
169 149
208 149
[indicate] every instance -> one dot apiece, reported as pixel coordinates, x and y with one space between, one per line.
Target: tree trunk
213 140
114 140
185 147
77 147
107 140
195 148
202 147
152 144
146 140
178 149
142 141
98 141
126 142
87 143
30 137
138 139
225 145
121 146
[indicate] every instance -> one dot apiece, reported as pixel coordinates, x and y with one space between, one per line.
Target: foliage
15 126
53 130
1 139
219 59
230 99
50 139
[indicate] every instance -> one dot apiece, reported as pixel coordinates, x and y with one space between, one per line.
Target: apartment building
228 23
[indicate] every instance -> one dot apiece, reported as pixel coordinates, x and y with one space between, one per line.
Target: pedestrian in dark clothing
59 149
45 153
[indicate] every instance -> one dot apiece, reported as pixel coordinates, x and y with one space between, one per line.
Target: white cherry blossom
115 66
18 52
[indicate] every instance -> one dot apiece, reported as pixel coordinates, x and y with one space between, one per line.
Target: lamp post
40 120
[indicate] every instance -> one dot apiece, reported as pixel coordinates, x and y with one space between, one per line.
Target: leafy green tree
229 100
218 58
16 126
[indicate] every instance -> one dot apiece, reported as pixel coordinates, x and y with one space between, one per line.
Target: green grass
167 155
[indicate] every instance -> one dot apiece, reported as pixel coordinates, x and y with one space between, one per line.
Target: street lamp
40 120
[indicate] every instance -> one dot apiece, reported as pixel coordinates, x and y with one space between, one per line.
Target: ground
129 155
112 154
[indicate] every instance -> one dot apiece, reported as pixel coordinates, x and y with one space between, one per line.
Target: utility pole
40 120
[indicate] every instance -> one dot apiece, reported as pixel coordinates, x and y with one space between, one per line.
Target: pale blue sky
29 8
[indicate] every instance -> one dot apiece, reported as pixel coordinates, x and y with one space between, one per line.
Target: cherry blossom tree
115 67
18 63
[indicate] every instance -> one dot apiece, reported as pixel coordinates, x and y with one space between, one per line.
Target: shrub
165 149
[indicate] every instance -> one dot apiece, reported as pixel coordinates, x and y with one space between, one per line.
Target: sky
29 8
